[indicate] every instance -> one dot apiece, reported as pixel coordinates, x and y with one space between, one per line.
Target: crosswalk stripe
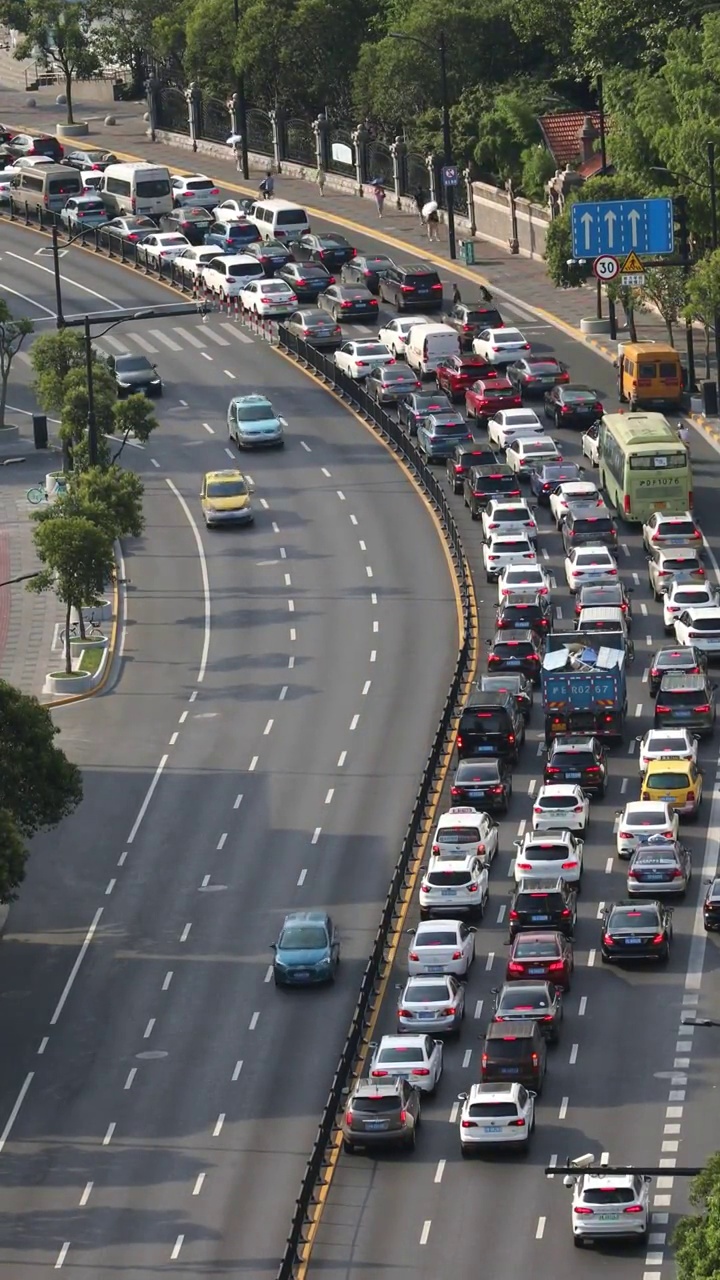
210 333
190 337
236 332
168 342
143 343
119 346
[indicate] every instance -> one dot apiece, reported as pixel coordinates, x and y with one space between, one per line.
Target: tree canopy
697 1236
57 33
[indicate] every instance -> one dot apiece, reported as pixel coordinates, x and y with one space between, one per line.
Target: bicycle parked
93 630
37 493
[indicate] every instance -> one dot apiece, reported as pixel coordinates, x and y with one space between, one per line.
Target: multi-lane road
260 752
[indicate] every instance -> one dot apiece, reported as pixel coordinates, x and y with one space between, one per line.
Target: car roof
694 612
463 816
494 1092
252 399
609 1180
558 788
691 682
511 1029
228 473
633 806
540 884
305 917
602 612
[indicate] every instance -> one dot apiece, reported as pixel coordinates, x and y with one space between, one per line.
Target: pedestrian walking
457 296
485 294
379 193
419 198
433 225
320 178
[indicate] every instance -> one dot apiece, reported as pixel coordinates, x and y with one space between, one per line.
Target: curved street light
439 51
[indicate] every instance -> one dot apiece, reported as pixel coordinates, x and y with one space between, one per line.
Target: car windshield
492 1110
633 918
390 1056
226 489
437 938
303 937
376 1105
422 992
608 1195
523 998
255 413
133 364
527 948
669 780
458 835
567 800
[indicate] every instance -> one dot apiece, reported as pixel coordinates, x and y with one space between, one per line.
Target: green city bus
644 467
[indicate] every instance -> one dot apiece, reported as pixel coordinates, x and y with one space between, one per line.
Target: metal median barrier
352 392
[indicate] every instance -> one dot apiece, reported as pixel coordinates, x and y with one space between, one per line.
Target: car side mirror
273 946
372 1044
462 1097
410 931
494 990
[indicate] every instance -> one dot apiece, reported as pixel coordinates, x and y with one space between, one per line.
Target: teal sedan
254 424
307 951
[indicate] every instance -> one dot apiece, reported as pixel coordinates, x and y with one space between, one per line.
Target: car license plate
654 875
509 1071
375 1124
485 749
492 1128
668 799
434 968
683 715
573 775
609 1217
633 942
301 973
535 969
538 919
446 893
475 794
426 1015
514 662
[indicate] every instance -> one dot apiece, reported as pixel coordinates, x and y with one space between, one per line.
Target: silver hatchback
431 1004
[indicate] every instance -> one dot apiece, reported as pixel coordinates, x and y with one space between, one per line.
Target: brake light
413 956
378 1072
425 887
677 874
517 1124
467 328
514 967
348 1116
406 288
593 768
660 708
470 1124
556 965
633 1208
534 1059
494 791
344 305
513 914
524 866
420 1071
437 286
625 835
552 768
133 204
608 939
567 866
472 888
403 1117
580 1208
705 707
658 939
691 796
626 504
484 1060
566 912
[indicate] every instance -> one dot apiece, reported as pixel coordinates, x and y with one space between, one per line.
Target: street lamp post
241 103
440 51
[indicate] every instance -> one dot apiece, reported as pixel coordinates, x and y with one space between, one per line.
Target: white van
47 186
279 219
428 345
136 188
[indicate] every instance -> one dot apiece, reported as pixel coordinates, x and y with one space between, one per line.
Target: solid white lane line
254 1021
16 1108
218 1125
109 1134
198 1184
439 1171
167 979
30 301
62 1255
425 1231
86 1194
68 987
130 1077
301 878
204 576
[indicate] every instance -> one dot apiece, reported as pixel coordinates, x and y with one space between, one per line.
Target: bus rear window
658 461
669 370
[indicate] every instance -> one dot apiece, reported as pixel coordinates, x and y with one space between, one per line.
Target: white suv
455 885
609 1205
464 830
496 1114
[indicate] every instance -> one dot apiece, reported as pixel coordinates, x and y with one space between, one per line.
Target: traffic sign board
450 175
633 280
632 265
619 226
606 268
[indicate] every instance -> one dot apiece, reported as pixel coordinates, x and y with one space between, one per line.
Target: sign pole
681 203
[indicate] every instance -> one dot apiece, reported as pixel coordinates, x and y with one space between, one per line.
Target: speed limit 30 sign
606 268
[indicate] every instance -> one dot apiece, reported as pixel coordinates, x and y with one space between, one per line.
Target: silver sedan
659 868
390 383
431 1004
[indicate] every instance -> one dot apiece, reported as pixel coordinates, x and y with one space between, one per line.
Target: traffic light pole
685 260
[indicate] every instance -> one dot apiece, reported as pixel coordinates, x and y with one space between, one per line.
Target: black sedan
189 221
514 683
329 250
534 376
516 651
682 660
273 254
525 611
349 302
315 327
129 230
711 906
306 279
135 374
572 405
464 458
416 408
367 269
483 784
636 931
539 1002
387 384
89 159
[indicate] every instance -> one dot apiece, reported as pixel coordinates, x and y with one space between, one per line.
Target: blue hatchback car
231 236
307 951
439 433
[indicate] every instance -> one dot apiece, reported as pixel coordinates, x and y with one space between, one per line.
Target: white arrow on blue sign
621 226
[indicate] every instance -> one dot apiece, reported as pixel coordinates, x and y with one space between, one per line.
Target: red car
489 395
457 373
546 956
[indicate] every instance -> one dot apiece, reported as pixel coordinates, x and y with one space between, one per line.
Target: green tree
665 290
60 34
78 559
39 786
108 496
133 416
60 385
697 1237
131 33
618 33
53 356
538 167
12 335
703 297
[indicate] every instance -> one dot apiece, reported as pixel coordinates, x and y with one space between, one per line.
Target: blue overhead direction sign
622 226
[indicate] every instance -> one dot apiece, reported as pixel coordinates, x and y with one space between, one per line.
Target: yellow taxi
675 782
225 498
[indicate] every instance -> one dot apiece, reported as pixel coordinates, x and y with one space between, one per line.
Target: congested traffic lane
609 1082
299 710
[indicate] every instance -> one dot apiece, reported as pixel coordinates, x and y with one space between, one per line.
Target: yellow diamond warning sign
632 265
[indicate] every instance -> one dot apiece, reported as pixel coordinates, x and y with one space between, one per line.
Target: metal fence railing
354 394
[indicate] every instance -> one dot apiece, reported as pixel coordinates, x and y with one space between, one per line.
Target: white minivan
428 345
136 188
279 219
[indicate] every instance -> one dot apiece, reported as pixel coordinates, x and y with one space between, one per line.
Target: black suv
469 319
413 284
578 759
686 702
483 784
586 524
484 483
526 611
515 1051
516 684
491 725
516 651
465 457
542 903
685 660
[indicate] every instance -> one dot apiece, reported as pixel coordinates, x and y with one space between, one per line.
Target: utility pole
714 242
447 146
59 319
91 419
681 206
241 104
